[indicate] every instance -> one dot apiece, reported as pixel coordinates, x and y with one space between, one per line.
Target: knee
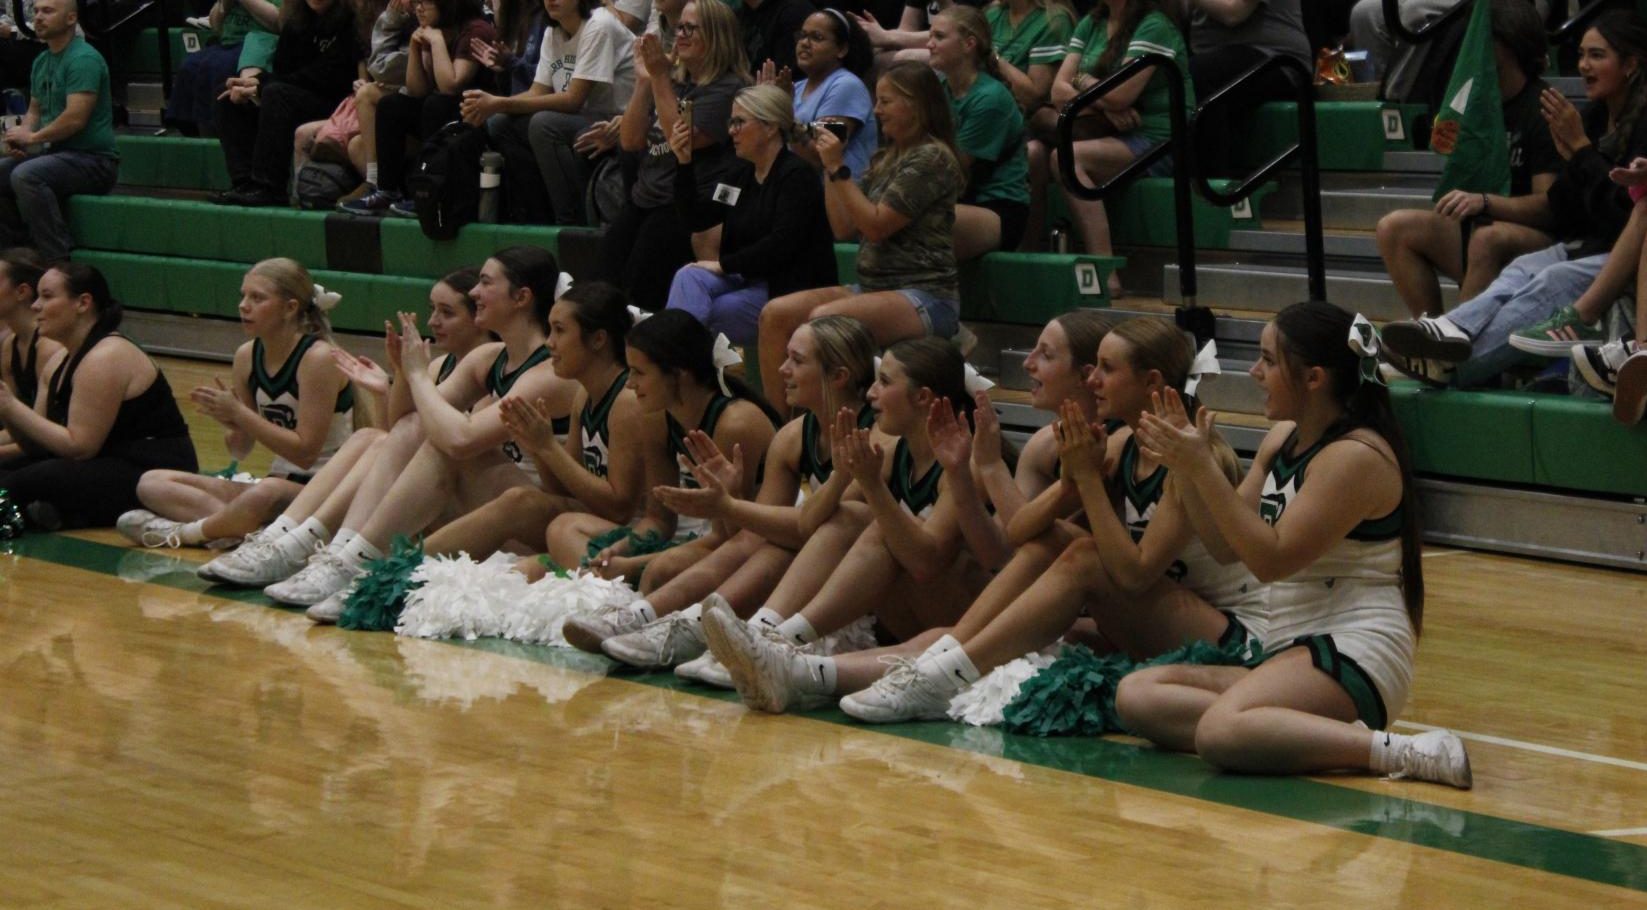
1135 699
263 495
1488 243
517 500
1392 230
150 485
1218 737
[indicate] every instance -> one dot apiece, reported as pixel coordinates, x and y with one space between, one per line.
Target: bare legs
521 515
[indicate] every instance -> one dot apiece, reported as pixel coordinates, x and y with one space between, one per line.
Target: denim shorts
1138 144
939 316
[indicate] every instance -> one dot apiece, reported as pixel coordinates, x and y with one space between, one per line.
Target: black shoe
223 197
1418 339
253 195
1433 373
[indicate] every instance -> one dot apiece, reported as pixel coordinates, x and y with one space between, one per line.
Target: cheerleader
1328 516
288 394
25 355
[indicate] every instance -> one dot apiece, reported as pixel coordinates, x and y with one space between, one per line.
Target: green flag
1469 128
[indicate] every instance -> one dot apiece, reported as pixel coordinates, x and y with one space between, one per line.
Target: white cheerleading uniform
1347 607
499 380
276 398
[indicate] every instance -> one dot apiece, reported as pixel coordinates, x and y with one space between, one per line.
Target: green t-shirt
78 68
989 127
257 43
1156 34
1038 39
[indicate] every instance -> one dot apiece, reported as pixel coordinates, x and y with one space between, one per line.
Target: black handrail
1309 163
1579 21
1392 21
1177 146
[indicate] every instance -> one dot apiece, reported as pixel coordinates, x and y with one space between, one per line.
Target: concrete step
1357 246
1349 209
1413 162
1270 288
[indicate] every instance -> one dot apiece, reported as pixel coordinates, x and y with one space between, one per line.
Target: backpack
320 184
606 192
445 180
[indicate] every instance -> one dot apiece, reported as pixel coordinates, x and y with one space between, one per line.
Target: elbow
306 457
874 233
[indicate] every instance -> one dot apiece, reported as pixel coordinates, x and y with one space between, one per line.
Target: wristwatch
841 173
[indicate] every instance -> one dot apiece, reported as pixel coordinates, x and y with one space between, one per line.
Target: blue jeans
1529 290
34 190
724 303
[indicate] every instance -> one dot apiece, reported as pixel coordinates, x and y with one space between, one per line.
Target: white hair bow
324 300
1205 364
639 315
1364 341
562 285
976 381
724 355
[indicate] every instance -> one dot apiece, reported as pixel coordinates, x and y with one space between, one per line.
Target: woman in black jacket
775 237
314 69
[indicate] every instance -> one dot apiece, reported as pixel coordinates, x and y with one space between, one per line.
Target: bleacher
1512 471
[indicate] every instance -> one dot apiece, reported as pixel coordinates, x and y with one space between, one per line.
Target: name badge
726 195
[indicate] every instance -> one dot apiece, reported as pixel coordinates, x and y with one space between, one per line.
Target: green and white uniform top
677 450
815 467
917 495
499 380
594 429
1352 593
276 398
448 364
1230 588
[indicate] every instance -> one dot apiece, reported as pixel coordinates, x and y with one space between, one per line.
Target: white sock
945 643
644 610
798 630
765 618
343 537
301 540
1387 749
371 174
1445 327
951 665
278 528
693 612
360 551
191 533
820 673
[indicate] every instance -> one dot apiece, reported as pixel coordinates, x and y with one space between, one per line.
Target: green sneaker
1555 337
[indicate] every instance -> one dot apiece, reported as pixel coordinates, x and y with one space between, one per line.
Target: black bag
444 183
606 192
320 184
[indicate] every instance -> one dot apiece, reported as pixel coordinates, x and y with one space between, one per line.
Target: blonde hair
723 43
293 282
844 343
920 86
972 23
770 105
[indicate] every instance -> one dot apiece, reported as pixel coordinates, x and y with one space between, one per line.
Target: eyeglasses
686 29
735 124
814 37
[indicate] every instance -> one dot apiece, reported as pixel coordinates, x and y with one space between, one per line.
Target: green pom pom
553 567
11 517
375 603
1075 696
227 473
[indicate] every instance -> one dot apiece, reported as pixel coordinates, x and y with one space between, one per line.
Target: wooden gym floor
170 745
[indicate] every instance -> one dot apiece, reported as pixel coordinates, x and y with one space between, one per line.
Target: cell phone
834 126
686 112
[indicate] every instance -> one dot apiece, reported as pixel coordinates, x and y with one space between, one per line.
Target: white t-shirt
640 9
602 53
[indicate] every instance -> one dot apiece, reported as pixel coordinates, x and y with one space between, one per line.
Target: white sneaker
328 611
706 669
326 574
770 674
587 632
659 644
906 693
1599 365
1438 756
146 529
256 563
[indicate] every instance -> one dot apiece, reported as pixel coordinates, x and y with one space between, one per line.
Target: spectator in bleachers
1228 37
109 413
904 212
439 66
1402 66
65 144
1588 212
314 69
775 237
907 42
350 134
191 103
1029 38
989 134
832 56
1130 120
648 241
513 54
769 29
602 137
633 14
586 74
1471 237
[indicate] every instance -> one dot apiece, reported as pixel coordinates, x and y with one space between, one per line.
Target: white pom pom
982 703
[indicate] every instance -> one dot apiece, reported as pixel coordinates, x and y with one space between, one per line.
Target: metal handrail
1305 150
1578 22
1177 146
1392 21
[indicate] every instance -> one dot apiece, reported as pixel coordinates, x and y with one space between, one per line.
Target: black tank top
23 370
153 414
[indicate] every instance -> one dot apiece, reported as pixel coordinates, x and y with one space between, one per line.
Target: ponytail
677 342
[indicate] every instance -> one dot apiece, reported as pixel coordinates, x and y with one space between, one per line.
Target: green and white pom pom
378 596
11 517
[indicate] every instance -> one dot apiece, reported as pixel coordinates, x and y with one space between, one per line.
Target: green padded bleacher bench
196 230
1144 213
139 52
172 162
1352 135
1022 288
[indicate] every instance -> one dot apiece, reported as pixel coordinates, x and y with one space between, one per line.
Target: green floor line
1530 846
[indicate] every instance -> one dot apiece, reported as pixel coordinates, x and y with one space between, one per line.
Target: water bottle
1058 240
491 181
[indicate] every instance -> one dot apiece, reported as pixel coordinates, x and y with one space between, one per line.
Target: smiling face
895 112
1122 392
568 352
1282 393
690 47
654 388
56 311
802 373
898 406
263 311
1054 376
817 52
450 320
1605 73
493 296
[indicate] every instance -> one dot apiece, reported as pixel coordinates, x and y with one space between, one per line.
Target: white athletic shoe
256 563
326 574
587 632
146 529
328 611
706 669
659 644
906 693
1438 756
770 674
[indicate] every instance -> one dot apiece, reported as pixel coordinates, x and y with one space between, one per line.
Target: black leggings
257 138
402 117
94 492
642 250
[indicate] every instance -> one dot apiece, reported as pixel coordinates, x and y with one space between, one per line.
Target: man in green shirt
65 144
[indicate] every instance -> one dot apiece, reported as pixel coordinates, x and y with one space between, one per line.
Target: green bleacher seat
1019 288
1143 213
172 162
196 230
1352 135
139 52
407 251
